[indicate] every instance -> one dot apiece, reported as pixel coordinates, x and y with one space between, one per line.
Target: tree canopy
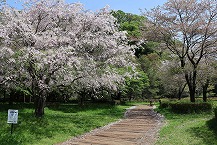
188 28
51 43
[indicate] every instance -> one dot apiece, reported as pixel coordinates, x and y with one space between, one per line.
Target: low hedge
187 107
215 111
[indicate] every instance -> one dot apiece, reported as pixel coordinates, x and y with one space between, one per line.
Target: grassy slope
57 125
188 129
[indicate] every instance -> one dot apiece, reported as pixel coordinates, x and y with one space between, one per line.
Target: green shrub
187 107
164 105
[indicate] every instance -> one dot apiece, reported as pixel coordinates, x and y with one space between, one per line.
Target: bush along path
140 126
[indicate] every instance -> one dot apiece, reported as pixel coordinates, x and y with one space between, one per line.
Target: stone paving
140 127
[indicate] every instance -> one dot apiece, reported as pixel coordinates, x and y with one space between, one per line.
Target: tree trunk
190 79
205 87
192 95
81 102
191 82
39 106
204 94
92 95
40 103
82 95
192 90
181 90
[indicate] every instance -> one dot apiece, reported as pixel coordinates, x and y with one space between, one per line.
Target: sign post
12 118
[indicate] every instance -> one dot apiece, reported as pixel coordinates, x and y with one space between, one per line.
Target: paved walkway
140 127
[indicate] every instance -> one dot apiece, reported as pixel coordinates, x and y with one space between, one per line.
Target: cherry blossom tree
188 28
58 44
172 78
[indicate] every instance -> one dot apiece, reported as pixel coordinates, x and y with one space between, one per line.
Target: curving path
140 127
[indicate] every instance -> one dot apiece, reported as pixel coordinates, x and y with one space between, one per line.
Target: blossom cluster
50 43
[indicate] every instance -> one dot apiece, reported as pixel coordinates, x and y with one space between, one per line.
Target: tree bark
82 100
205 87
191 82
82 95
40 103
181 90
192 95
39 106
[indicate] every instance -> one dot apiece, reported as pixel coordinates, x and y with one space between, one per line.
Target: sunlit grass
68 120
58 124
188 129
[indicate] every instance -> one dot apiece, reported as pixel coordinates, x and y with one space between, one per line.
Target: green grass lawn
188 129
57 125
60 124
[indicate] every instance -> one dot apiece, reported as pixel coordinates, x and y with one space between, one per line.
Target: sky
128 6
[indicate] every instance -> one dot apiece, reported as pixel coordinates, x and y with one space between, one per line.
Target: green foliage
58 125
146 48
123 70
134 87
129 22
132 29
149 64
187 107
148 56
23 91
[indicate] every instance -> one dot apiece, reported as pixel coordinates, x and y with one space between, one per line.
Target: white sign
12 116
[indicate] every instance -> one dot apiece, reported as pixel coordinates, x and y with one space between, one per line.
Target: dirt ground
140 127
